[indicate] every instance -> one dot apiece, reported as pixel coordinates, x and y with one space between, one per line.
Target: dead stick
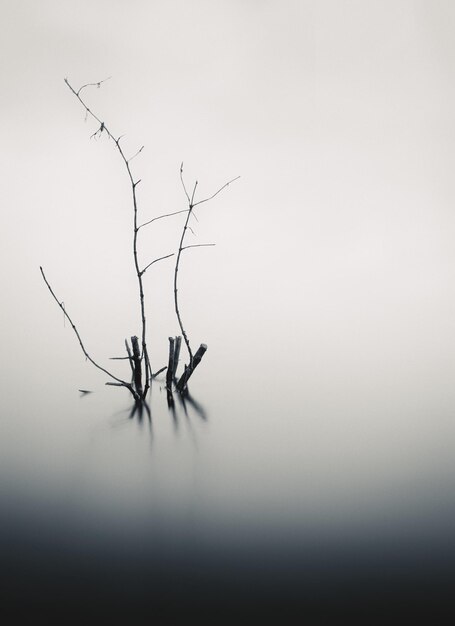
178 345
182 383
137 364
119 380
170 367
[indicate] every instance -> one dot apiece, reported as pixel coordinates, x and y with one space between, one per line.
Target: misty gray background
329 297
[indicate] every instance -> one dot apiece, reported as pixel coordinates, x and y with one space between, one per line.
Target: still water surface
270 492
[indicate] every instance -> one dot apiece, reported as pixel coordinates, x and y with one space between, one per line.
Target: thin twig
191 205
159 371
199 245
216 192
98 84
177 262
160 217
135 155
156 261
130 359
192 195
134 184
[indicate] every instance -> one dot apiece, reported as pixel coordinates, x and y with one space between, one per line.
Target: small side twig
156 261
133 184
159 371
160 217
198 245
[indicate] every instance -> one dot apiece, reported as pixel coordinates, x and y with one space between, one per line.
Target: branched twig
191 205
119 382
134 184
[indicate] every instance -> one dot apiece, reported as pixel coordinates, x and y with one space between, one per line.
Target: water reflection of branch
137 410
185 401
197 406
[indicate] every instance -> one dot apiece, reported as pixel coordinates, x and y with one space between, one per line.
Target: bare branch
92 84
217 192
156 261
161 217
159 371
182 383
198 245
130 357
191 205
119 380
135 155
98 132
133 184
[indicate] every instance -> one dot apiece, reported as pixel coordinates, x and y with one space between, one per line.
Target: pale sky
337 241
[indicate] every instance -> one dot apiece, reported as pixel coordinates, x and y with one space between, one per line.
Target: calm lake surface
271 494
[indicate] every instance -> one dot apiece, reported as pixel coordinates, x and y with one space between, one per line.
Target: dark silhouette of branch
134 184
130 359
98 84
176 269
160 217
216 192
178 344
191 205
198 245
170 367
183 381
156 261
137 355
159 371
135 155
120 382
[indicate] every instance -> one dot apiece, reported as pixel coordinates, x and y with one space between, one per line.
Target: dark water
257 502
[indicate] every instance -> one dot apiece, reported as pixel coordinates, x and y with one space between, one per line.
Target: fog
327 303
